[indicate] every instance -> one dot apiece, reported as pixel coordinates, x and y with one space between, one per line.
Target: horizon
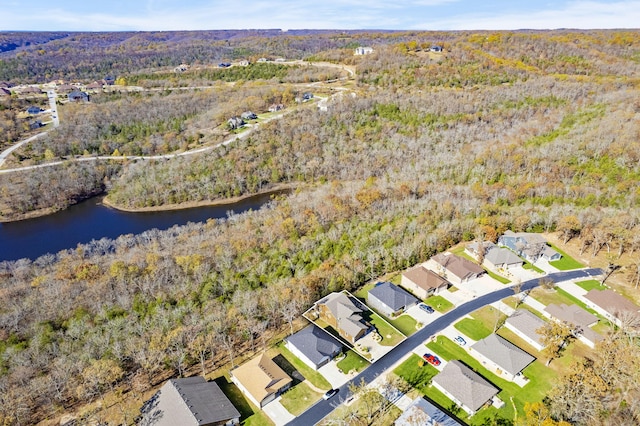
330 15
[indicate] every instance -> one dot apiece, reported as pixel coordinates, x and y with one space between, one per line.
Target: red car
431 359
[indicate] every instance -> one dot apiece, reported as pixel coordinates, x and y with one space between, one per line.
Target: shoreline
204 203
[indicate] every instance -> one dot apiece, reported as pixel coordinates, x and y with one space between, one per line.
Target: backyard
249 415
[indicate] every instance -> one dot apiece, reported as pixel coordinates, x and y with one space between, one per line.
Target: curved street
323 408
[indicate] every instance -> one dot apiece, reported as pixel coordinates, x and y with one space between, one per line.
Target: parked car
431 359
330 393
460 340
428 309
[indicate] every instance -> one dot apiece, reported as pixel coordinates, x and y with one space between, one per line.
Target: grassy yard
473 328
390 336
488 316
540 377
559 296
439 303
308 373
416 375
591 285
566 262
405 323
249 414
352 361
528 265
300 397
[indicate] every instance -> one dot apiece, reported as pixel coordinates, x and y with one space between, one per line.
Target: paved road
51 94
322 408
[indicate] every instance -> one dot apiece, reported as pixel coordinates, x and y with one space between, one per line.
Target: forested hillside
535 131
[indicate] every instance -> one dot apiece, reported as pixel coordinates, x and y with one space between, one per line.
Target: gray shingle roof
393 296
191 401
422 412
465 385
346 313
314 343
527 323
611 301
572 314
503 353
501 255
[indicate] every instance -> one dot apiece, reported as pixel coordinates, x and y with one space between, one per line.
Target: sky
155 15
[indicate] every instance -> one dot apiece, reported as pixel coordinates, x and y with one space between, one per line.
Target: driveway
334 376
277 413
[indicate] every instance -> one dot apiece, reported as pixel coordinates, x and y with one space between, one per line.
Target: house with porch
501 356
261 380
423 282
466 388
189 401
530 246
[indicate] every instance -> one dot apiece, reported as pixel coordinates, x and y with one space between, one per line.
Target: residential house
243 63
5 91
78 96
529 246
109 80
29 90
35 125
96 85
224 64
525 324
181 68
34 110
501 356
314 346
248 115
494 257
389 299
307 96
423 282
363 50
456 269
235 123
578 318
189 401
421 412
466 388
611 305
276 107
340 312
261 380
262 60
65 89
435 48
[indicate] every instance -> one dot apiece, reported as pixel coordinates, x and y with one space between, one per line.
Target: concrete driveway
277 413
334 376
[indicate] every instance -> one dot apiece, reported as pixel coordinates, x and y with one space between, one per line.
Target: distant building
109 80
363 50
34 110
189 401
181 68
436 49
4 91
248 115
276 107
235 123
78 96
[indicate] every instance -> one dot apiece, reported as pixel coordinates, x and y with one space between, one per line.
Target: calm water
90 220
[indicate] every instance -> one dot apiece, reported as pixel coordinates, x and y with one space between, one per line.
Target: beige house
423 282
456 269
611 305
261 380
341 312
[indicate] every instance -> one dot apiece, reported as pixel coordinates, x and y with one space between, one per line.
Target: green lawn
439 303
498 278
559 296
249 414
416 375
473 328
300 397
405 323
488 316
590 285
308 373
528 265
390 336
566 263
352 361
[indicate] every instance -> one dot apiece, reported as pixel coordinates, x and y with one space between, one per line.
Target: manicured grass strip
499 278
472 328
566 262
439 303
352 361
590 285
297 399
308 373
528 265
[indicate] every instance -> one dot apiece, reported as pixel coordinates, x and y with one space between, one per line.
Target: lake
91 220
